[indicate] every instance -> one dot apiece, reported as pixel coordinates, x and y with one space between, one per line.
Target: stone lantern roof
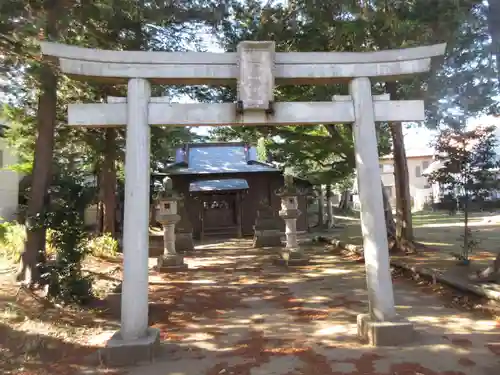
168 192
290 188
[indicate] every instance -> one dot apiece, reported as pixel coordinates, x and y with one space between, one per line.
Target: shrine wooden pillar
238 214
202 218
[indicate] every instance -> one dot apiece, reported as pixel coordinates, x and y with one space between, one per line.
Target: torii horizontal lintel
224 114
218 68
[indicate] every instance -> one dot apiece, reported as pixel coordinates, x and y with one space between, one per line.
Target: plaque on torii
256 76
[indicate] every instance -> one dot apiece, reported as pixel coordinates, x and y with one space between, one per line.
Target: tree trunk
344 200
493 17
331 216
99 227
34 249
494 29
389 218
109 183
329 207
321 207
466 247
404 227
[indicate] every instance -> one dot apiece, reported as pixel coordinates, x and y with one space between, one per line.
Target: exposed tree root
490 273
40 298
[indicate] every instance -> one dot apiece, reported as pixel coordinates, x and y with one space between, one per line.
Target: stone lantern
167 216
289 212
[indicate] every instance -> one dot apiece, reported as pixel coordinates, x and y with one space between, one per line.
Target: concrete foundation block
398 331
119 352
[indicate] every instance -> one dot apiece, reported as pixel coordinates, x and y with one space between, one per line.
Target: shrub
12 239
69 197
103 246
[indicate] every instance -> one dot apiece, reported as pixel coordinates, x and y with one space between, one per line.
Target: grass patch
13 238
441 217
442 236
103 246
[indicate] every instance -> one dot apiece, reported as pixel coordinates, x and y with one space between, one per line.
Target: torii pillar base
120 352
398 331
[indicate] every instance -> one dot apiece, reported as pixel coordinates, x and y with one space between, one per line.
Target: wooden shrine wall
261 186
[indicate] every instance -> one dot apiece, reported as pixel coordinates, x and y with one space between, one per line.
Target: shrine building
224 184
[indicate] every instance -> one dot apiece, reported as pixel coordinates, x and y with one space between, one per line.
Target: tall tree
44 145
493 17
111 24
469 170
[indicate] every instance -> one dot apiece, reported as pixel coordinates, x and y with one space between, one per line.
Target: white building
420 189
9 181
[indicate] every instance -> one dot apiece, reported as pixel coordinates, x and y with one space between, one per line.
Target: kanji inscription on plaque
256 74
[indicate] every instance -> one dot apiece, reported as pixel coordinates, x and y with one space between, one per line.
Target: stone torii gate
256 68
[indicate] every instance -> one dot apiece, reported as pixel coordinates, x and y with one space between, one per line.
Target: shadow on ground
234 312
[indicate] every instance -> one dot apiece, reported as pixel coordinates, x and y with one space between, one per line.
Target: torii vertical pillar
382 326
135 341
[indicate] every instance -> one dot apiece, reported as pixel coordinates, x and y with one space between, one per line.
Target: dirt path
235 313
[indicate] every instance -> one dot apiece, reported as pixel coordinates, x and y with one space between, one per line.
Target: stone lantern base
171 263
292 258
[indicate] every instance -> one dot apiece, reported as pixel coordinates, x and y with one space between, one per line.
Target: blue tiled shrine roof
209 158
213 185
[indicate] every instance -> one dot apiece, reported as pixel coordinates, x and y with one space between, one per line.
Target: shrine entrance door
219 216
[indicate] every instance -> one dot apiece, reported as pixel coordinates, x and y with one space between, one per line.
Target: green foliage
469 243
262 153
466 84
103 246
325 153
322 153
115 25
468 171
69 197
37 94
469 162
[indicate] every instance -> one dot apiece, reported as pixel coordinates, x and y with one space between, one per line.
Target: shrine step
221 231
